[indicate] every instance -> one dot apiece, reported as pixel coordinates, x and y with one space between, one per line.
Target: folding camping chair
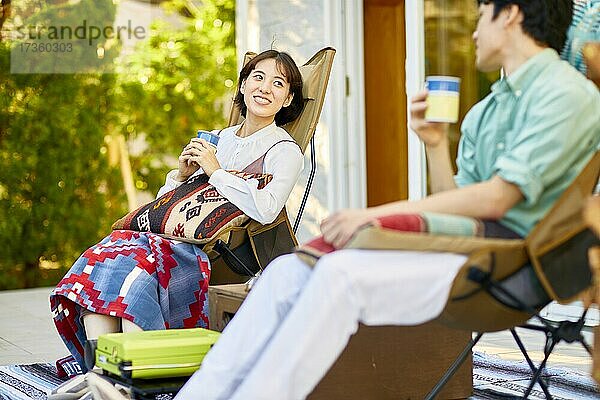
557 247
247 249
592 216
235 248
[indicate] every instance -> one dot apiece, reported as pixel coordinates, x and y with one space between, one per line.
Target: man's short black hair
546 21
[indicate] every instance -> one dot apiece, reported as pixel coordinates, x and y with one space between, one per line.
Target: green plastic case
154 354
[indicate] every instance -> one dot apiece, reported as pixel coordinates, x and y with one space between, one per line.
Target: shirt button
518 93
500 146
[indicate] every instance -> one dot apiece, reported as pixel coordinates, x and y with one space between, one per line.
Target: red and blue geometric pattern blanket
154 282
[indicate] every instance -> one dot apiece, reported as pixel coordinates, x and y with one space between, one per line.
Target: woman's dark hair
546 21
288 67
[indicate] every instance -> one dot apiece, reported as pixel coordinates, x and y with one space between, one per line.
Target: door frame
344 108
415 76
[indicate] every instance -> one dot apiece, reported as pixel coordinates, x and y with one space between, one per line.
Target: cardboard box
384 362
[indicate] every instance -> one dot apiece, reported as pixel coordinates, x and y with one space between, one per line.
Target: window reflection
449 50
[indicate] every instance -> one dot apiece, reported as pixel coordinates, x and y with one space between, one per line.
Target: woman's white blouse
284 162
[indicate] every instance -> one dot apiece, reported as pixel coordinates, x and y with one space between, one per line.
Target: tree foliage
58 193
56 189
177 82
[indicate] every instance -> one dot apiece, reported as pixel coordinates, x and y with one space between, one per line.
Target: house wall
301 28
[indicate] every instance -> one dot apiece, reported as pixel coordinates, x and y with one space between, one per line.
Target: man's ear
289 99
513 15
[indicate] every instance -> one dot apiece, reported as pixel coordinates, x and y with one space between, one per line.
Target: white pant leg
374 287
245 337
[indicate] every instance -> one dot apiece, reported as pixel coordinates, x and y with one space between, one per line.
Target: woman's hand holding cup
199 153
186 166
207 158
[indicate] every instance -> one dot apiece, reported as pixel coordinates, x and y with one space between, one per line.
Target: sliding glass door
449 50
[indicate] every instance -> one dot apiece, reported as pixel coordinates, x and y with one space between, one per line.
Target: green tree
58 192
180 80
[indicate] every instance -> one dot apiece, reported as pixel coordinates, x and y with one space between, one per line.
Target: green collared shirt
537 129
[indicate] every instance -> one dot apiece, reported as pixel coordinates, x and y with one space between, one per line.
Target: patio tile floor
27 335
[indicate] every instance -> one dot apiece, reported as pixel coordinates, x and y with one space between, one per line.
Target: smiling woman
283 75
144 280
265 91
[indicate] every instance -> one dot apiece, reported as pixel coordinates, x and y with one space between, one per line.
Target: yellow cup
443 98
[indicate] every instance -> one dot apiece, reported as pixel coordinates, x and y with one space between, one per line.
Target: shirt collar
256 135
519 80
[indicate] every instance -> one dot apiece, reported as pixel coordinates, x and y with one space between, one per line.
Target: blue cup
209 137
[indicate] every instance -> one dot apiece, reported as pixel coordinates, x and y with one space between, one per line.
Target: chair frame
169 385
234 262
567 331
577 239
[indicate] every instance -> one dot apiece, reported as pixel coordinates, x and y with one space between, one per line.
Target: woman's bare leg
128 326
96 325
99 324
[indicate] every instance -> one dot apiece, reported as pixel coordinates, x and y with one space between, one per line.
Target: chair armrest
591 215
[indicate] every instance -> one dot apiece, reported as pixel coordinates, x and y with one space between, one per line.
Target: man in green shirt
520 148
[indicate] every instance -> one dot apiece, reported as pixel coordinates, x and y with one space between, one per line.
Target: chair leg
586 346
537 377
536 371
453 368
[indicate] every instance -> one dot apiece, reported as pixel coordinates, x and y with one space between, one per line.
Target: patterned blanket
426 222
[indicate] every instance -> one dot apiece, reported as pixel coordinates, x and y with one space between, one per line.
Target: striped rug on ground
496 378
493 378
24 382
